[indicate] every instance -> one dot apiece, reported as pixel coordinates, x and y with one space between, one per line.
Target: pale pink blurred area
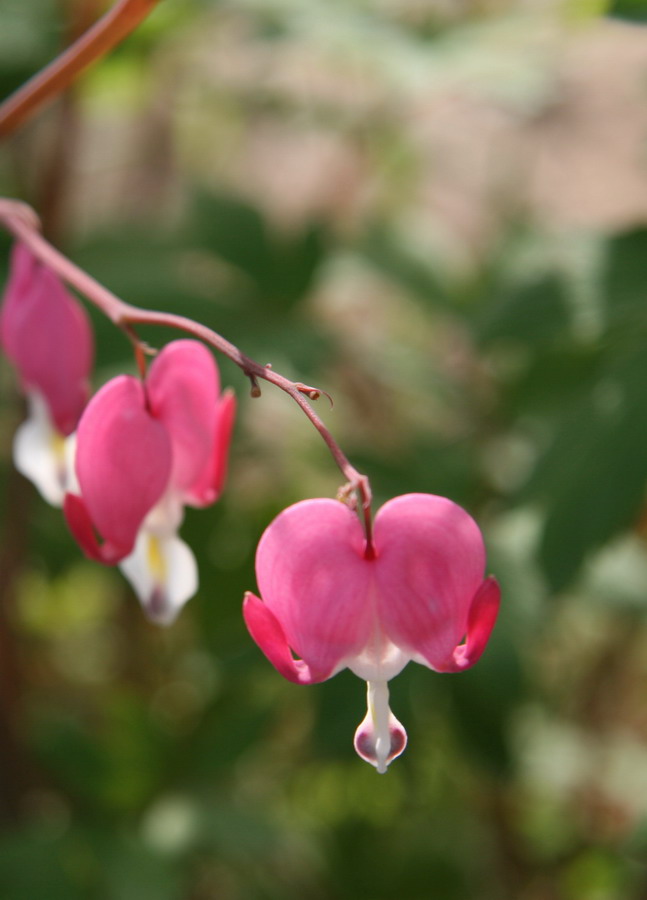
529 117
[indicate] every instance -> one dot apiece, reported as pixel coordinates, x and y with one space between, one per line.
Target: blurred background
436 210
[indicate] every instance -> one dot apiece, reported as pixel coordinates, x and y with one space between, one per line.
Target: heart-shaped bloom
46 334
418 592
144 451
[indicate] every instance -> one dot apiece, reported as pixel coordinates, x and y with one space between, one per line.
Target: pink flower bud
46 334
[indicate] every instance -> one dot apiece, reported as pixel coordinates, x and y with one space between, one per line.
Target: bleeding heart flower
418 593
46 334
144 451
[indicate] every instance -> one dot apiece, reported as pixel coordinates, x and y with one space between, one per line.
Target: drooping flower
417 593
46 334
144 451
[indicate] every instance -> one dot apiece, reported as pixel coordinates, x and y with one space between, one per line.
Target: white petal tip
164 574
43 455
380 738
370 750
158 609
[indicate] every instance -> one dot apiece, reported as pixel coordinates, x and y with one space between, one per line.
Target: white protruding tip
163 573
44 455
380 738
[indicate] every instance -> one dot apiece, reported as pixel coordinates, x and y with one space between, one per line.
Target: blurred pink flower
46 334
418 594
144 451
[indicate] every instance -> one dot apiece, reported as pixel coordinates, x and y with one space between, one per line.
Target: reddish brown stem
21 221
105 34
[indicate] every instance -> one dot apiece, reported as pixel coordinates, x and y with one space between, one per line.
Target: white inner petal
44 455
380 659
165 518
164 574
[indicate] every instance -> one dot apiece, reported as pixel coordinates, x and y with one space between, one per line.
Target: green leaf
532 314
484 698
634 10
592 478
280 268
36 861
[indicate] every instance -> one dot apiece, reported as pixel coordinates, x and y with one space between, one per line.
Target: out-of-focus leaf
532 314
387 254
214 749
377 866
634 10
67 751
235 232
550 380
280 268
485 697
592 478
624 285
340 707
133 871
30 37
114 764
36 862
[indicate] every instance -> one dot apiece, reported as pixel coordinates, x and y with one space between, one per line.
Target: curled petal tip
266 630
481 620
80 524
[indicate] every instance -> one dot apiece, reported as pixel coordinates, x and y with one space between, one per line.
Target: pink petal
183 387
46 334
21 275
314 580
80 524
266 630
208 488
430 563
480 622
123 461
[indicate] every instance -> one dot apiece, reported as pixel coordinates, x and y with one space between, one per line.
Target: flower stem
105 34
22 222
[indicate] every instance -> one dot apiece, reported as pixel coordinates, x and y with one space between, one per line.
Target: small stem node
139 348
255 389
312 393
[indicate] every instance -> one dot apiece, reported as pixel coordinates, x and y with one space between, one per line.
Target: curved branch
21 221
105 34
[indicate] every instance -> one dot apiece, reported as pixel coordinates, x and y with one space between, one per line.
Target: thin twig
21 221
105 34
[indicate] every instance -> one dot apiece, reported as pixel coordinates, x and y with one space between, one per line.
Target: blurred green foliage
357 193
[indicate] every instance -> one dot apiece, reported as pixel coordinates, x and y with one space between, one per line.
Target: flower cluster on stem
337 590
